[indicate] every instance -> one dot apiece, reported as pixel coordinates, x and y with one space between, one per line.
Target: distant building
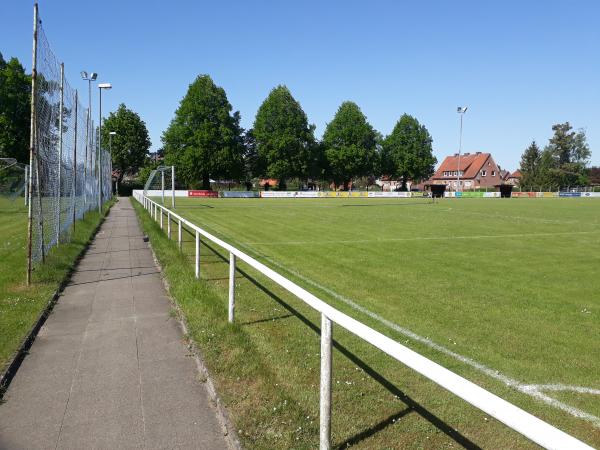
477 170
514 178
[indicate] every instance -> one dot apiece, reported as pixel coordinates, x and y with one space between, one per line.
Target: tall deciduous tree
15 95
570 154
407 151
130 146
284 139
350 144
204 140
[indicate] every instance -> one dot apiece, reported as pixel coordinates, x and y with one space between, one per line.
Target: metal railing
514 417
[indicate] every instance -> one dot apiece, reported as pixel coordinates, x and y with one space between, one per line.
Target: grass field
20 306
502 291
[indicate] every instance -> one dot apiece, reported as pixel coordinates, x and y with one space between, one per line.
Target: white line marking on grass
422 238
566 387
533 390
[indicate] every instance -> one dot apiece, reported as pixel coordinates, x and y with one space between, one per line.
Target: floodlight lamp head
93 76
105 86
461 109
84 75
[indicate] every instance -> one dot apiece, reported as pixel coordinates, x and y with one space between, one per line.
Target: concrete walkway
109 369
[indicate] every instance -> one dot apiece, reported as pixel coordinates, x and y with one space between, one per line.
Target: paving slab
110 368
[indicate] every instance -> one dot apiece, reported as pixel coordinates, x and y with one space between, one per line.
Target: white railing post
197 255
179 234
161 219
231 287
325 400
169 225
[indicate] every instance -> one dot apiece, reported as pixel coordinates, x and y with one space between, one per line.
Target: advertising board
199 193
239 194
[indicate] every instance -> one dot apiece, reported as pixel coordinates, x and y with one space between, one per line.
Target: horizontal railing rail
514 417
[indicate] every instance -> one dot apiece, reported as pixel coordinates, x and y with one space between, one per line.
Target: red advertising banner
203 194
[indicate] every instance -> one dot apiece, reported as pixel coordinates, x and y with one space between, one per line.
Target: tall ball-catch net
66 165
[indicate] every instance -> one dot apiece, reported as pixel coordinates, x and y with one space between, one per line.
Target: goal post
161 179
13 179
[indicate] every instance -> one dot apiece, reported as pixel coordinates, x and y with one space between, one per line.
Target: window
455 173
493 173
483 173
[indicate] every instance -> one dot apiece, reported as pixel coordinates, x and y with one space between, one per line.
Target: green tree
284 139
350 144
15 112
530 166
407 151
129 147
570 154
204 140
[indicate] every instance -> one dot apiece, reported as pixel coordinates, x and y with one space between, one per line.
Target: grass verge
266 369
22 305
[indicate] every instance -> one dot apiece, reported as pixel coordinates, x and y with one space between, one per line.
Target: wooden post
32 149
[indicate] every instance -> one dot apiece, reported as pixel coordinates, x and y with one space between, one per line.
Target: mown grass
503 282
21 305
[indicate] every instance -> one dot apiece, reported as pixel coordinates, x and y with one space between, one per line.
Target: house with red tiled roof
477 170
514 178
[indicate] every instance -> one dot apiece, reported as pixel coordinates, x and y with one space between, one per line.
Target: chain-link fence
65 173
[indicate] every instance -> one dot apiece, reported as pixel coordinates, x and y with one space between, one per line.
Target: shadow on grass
411 405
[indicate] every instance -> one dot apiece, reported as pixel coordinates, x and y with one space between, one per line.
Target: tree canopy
204 138
562 162
407 152
285 143
130 145
350 144
15 112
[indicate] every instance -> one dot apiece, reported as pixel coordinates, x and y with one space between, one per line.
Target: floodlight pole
88 135
461 110
99 163
110 135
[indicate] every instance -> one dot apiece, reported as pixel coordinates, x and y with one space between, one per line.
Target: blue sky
520 66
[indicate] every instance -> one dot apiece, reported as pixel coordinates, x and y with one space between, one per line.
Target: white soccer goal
13 179
160 178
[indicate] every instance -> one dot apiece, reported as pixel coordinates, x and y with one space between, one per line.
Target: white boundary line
533 390
425 238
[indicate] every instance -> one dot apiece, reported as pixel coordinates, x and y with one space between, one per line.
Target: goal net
13 179
161 183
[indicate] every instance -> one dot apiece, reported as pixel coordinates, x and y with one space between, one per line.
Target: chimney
478 153
467 154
